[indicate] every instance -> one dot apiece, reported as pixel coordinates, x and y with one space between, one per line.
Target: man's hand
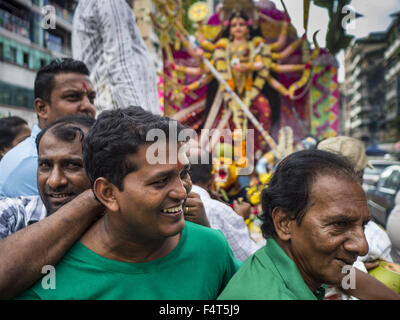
89 197
369 288
216 196
194 210
22 262
370 265
243 209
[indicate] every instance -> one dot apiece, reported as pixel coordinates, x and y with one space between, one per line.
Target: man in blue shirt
61 88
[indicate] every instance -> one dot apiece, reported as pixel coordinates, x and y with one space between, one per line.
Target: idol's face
239 28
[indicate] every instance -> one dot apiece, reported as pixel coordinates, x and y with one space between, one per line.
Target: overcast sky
376 18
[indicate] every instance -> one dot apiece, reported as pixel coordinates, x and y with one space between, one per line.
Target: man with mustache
61 88
48 221
27 244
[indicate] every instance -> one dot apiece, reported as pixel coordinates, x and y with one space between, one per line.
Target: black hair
201 173
117 134
67 128
291 184
10 127
44 81
274 99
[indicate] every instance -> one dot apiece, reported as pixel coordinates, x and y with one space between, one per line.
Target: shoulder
197 231
21 179
25 149
211 248
13 206
246 283
201 236
18 170
16 213
17 155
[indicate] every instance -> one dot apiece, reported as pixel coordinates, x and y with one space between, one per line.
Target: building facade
372 86
32 33
391 124
364 87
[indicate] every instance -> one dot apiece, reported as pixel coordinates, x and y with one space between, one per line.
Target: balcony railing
14 24
355 111
393 47
392 71
355 124
392 93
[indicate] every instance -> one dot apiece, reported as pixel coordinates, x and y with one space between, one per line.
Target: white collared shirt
222 217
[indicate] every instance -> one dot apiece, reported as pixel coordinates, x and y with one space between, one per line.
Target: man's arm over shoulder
24 253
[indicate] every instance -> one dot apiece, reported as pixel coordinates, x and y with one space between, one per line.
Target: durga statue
241 55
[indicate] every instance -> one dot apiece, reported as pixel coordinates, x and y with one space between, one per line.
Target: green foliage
336 37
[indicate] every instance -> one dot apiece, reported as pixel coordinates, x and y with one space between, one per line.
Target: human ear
41 108
282 224
105 192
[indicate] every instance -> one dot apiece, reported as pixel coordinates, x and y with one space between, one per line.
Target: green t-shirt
269 274
198 269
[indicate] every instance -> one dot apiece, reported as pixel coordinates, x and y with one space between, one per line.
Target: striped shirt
18 213
106 38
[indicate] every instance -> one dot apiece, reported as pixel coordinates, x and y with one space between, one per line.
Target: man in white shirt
220 215
105 36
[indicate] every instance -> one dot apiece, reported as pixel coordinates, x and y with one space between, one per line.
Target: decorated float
246 67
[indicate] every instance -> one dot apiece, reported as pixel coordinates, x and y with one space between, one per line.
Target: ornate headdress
231 7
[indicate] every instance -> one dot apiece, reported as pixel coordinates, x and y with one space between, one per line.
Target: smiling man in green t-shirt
141 248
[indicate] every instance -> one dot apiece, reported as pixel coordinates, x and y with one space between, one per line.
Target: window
26 59
13 54
43 62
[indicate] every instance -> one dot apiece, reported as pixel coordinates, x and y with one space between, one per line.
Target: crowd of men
80 194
